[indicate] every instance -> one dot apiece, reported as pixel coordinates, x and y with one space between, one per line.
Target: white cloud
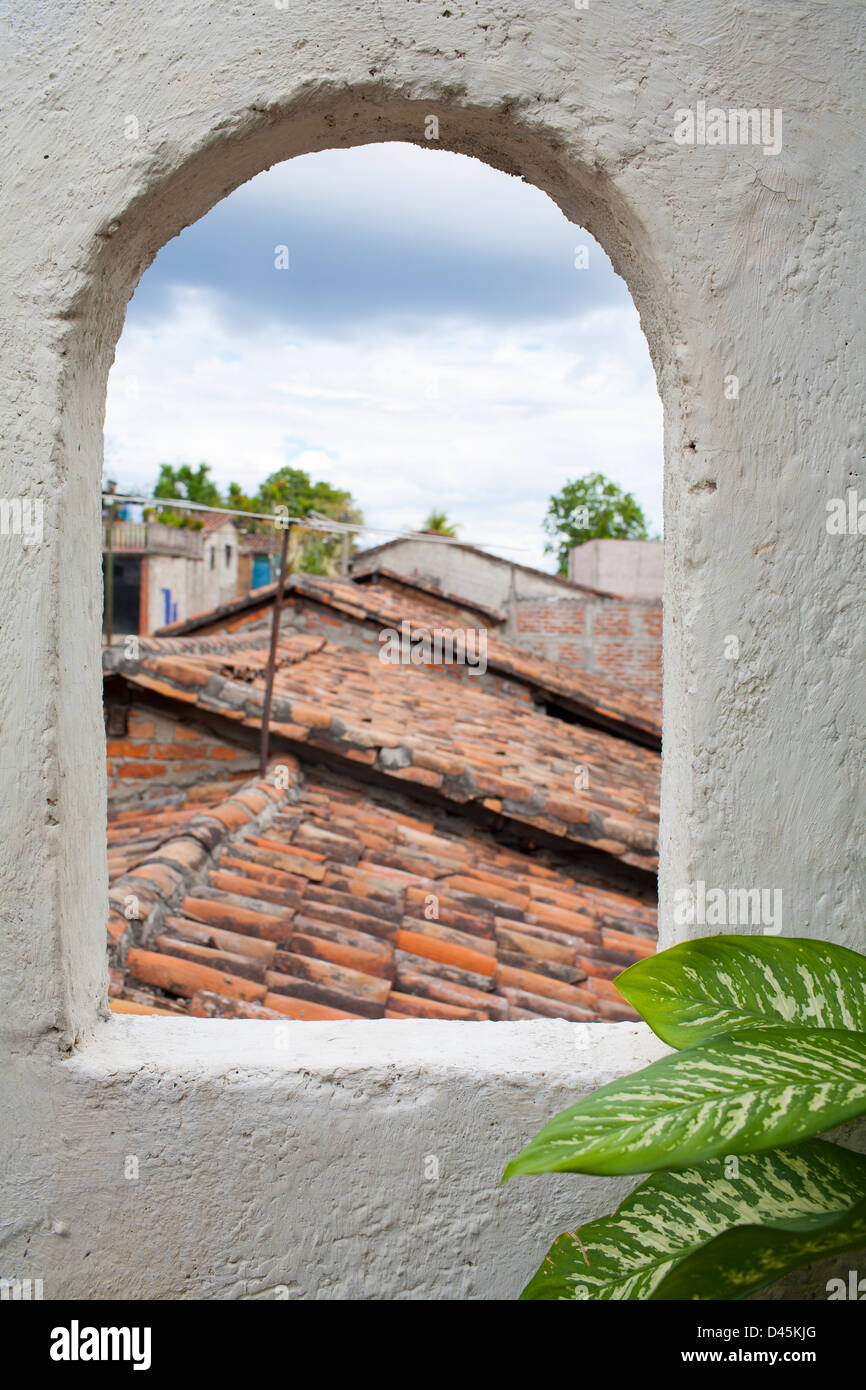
432 345
483 423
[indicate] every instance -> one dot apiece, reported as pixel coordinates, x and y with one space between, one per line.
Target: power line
314 521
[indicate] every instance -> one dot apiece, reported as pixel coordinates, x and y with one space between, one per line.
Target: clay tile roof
434 595
605 703
329 900
213 521
470 746
448 845
266 542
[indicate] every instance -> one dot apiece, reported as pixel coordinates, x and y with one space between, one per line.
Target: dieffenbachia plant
772 1033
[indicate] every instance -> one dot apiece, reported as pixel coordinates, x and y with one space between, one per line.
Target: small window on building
212 556
228 556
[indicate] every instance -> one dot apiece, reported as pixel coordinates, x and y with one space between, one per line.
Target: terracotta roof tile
128 1006
365 959
286 1006
417 1006
240 938
435 854
435 948
607 702
232 962
226 912
507 751
177 976
205 1004
186 929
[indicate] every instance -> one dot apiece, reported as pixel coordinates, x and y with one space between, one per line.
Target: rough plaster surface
738 262
294 1160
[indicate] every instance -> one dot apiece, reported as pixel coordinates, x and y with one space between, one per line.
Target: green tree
438 523
238 500
319 552
590 508
194 485
292 488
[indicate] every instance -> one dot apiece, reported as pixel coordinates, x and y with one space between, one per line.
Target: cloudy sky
431 344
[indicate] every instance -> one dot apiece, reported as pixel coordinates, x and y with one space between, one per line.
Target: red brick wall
617 638
162 752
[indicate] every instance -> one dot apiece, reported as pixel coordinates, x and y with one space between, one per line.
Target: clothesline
314 521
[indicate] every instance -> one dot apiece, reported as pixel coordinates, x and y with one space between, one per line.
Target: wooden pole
272 655
109 574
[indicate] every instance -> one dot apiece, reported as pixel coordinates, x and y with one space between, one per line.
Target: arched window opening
442 385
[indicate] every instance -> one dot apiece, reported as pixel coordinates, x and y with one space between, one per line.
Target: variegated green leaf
718 1230
743 1092
741 1261
711 985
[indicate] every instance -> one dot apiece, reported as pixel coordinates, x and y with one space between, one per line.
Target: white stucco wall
741 264
219 581
462 571
299 1155
178 574
196 585
634 569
